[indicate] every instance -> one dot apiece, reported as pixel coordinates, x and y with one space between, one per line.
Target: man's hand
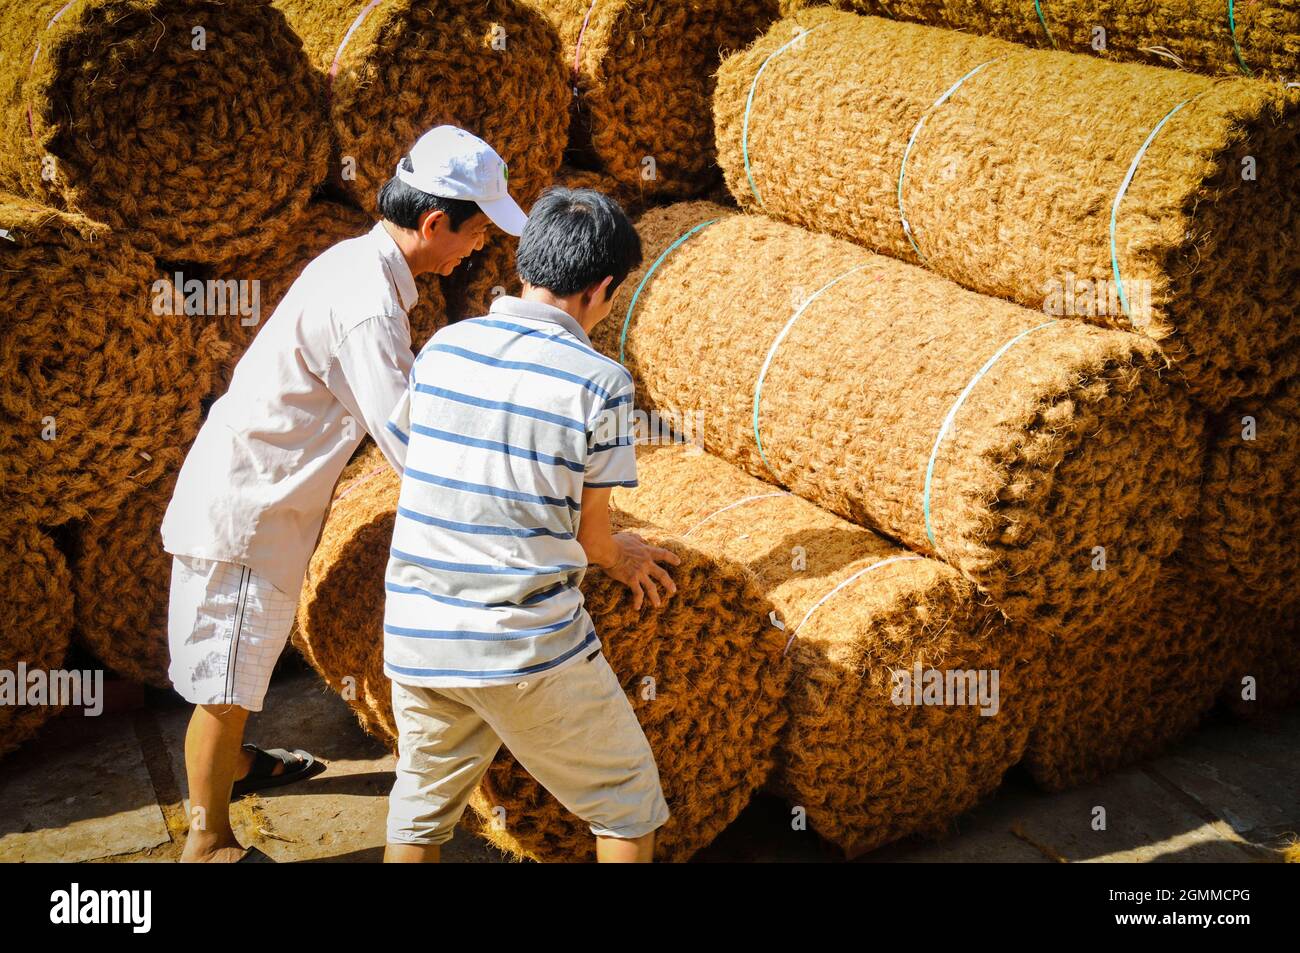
637 567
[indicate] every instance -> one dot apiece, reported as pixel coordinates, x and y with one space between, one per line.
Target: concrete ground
109 789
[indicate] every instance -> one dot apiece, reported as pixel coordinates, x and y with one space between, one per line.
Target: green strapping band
1236 47
771 352
902 168
1043 20
622 339
749 102
952 412
1119 197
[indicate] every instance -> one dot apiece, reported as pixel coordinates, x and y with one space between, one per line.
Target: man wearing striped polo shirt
517 430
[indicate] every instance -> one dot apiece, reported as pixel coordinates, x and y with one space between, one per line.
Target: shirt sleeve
611 443
369 374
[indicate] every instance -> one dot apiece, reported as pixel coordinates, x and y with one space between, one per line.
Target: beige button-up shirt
329 366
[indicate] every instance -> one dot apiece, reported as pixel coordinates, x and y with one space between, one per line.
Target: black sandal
254 856
299 765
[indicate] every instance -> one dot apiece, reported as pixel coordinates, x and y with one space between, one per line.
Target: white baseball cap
455 164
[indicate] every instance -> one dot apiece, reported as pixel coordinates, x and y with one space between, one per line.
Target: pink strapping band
338 55
577 49
356 483
31 123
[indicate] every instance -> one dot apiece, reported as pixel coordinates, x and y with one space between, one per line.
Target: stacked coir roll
100 377
36 624
186 125
1204 35
643 73
705 674
860 617
394 69
1047 461
1123 195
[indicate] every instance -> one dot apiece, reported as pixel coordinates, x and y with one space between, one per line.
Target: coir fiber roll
1263 671
712 718
1048 462
1243 537
121 576
100 386
644 72
37 618
489 273
859 754
276 266
1124 195
1212 36
396 68
1136 684
187 125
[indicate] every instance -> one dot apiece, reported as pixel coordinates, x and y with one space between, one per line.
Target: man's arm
369 374
623 556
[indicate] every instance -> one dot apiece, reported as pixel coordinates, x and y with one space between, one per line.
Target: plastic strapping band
741 502
1119 197
357 483
749 103
622 339
1236 47
902 169
338 56
31 122
1043 20
952 412
860 572
771 352
577 47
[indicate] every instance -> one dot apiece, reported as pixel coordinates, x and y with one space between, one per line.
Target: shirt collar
537 311
399 272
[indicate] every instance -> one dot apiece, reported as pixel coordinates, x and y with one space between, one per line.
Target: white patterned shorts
226 627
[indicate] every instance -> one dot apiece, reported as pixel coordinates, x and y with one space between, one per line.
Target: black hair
573 239
403 205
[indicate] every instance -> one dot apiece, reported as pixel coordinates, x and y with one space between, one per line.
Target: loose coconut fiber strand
1213 36
394 69
1124 195
307 235
644 71
876 404
712 660
856 609
37 617
100 391
186 125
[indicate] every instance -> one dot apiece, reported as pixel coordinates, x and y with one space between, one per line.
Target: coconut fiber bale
1124 195
866 762
1209 36
490 272
187 125
35 624
100 386
120 577
643 72
866 380
1243 537
705 671
276 266
1137 684
1263 670
396 68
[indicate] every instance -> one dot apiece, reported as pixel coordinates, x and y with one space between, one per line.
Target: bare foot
223 854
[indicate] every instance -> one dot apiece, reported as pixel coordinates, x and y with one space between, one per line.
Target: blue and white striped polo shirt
506 418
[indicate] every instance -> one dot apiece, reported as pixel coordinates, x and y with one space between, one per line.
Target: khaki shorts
573 730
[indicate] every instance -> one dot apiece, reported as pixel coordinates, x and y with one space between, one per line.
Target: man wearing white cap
250 502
